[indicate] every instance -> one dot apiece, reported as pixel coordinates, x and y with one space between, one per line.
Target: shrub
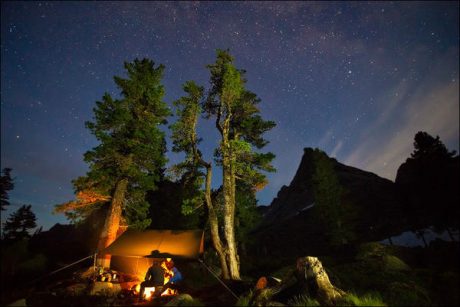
394 263
407 294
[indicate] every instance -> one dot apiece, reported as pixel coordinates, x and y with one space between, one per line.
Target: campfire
150 291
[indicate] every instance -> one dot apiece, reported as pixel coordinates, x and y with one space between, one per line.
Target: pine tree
19 223
427 146
6 184
240 126
328 200
429 182
131 155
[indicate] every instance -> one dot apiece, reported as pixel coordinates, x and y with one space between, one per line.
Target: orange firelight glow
149 291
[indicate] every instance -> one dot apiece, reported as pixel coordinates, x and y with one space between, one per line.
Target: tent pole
217 277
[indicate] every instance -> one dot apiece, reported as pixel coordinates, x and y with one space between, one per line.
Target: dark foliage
428 182
6 184
165 209
19 224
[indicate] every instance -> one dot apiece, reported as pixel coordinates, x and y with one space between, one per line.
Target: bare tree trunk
229 214
214 225
233 193
112 221
310 275
327 294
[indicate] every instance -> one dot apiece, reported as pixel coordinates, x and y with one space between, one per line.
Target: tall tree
430 176
240 126
185 140
131 154
328 199
6 184
19 223
426 146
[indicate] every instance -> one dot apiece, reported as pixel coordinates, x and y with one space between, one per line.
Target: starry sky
354 79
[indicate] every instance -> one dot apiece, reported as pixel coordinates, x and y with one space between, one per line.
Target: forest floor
395 276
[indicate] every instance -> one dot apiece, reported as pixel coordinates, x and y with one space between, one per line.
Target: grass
303 300
352 299
244 300
185 300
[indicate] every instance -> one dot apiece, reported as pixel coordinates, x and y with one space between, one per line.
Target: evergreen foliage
328 200
429 181
427 146
238 121
6 184
166 207
132 147
19 223
247 217
230 103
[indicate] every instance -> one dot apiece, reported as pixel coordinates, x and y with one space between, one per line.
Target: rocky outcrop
372 201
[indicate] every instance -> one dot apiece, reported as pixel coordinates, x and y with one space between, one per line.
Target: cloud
336 149
431 107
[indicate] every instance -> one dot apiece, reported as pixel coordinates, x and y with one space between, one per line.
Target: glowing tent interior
134 251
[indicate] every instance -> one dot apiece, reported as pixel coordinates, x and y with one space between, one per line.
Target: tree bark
112 221
229 230
229 207
214 225
309 275
327 294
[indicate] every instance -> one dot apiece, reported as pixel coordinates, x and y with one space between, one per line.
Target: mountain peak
366 191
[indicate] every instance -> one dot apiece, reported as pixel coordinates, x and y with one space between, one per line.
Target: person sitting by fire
153 278
173 276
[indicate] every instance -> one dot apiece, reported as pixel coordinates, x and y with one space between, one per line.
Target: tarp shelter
134 251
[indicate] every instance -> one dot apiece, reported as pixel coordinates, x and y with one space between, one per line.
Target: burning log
309 276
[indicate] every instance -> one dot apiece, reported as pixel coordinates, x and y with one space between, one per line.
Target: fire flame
149 291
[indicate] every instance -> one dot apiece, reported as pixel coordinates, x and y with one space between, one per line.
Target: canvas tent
134 251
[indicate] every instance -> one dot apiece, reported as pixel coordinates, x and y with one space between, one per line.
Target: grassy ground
377 275
372 275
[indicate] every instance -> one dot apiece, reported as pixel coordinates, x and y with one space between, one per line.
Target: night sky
354 79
